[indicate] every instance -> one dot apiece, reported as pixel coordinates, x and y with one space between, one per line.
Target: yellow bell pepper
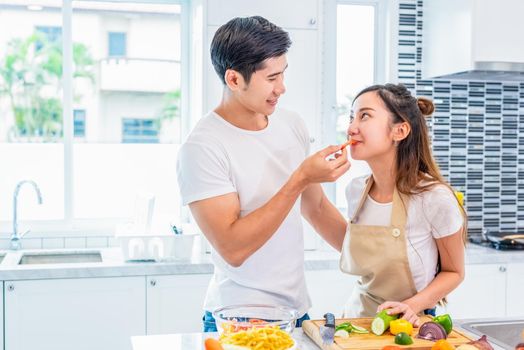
460 197
399 326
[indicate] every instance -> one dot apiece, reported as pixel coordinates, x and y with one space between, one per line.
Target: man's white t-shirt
220 158
431 215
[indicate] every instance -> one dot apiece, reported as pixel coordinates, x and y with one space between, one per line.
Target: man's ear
234 80
401 131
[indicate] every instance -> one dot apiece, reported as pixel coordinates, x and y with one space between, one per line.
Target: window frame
69 225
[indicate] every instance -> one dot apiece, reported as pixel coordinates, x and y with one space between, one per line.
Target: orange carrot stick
349 142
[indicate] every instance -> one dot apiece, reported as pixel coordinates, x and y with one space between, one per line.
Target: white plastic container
146 247
183 246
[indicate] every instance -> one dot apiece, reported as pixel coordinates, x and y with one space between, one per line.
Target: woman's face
370 127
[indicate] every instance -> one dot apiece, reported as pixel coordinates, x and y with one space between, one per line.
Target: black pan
506 239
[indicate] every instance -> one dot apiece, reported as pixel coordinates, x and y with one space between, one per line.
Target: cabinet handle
152 283
10 287
502 268
311 140
312 21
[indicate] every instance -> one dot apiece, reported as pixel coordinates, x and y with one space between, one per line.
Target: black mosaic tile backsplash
477 132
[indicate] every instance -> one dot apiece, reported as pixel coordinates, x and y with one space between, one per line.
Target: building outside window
116 44
136 130
50 34
79 120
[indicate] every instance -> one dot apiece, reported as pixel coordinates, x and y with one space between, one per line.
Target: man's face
265 87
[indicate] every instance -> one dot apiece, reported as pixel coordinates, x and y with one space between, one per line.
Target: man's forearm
325 218
249 233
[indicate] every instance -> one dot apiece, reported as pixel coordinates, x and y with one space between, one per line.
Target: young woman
406 233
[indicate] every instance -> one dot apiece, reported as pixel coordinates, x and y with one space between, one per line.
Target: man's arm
236 238
323 216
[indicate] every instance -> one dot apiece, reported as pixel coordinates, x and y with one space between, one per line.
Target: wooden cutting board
371 341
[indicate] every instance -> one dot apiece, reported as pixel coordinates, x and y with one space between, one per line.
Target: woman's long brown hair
416 169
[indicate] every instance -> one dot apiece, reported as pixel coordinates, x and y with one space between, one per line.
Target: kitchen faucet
15 237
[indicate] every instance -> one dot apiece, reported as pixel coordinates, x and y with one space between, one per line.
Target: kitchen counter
195 341
113 264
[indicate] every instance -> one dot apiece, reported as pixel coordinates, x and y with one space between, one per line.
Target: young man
242 170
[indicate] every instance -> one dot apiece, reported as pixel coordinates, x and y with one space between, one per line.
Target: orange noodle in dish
266 338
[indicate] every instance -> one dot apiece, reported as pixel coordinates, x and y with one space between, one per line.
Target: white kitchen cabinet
2 318
174 303
282 13
475 31
481 294
329 290
515 291
87 313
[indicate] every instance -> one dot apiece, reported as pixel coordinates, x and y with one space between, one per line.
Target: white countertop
113 264
194 341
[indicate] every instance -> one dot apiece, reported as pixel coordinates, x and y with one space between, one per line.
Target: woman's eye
364 115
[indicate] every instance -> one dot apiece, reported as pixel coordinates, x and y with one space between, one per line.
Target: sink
60 258
504 333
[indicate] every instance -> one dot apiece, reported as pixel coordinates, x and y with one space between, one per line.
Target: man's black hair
242 44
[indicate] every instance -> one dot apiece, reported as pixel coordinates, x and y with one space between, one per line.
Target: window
132 107
79 119
51 35
356 62
139 131
31 109
90 161
117 44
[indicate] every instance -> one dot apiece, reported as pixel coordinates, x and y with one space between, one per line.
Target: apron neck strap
398 210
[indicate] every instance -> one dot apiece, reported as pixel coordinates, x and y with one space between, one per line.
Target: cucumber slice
381 322
359 330
342 333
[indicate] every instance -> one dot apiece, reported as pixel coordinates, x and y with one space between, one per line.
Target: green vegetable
359 330
445 321
346 326
403 339
381 322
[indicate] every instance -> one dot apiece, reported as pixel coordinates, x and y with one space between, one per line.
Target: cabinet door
329 290
481 294
2 318
515 290
282 13
90 313
174 303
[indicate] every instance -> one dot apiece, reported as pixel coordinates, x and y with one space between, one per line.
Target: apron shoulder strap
399 210
362 200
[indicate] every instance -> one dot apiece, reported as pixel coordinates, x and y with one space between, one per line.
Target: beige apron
378 254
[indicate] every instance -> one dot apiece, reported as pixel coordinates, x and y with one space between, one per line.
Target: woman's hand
395 307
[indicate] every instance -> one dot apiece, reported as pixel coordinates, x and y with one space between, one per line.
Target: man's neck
231 110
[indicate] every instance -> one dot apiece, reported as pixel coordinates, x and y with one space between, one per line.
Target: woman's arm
451 252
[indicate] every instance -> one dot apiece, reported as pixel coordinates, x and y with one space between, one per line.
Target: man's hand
320 167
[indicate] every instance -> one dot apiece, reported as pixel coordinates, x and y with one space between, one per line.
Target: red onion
482 343
432 331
